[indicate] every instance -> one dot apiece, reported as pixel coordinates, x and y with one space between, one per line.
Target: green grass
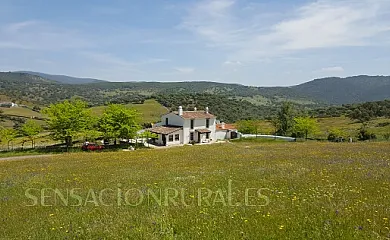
314 191
150 110
20 111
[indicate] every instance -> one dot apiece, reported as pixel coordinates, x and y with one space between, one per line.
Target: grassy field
151 110
308 191
20 111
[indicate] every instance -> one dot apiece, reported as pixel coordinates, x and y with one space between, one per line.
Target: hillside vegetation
24 86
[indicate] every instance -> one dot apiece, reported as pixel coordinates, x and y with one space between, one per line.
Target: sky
257 43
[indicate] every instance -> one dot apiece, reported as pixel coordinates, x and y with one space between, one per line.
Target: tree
68 119
275 124
36 109
91 134
31 129
361 115
364 134
8 135
285 119
386 136
118 121
335 134
248 126
305 126
148 135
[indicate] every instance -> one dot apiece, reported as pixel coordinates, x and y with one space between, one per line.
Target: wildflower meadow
221 191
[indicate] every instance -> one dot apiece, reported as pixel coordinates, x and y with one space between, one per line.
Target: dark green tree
285 119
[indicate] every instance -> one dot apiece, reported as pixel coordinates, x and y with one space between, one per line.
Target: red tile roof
227 126
165 129
202 130
195 115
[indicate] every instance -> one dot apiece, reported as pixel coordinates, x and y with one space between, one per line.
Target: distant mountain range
45 88
63 78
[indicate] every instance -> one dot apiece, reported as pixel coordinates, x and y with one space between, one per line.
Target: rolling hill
45 89
347 90
63 78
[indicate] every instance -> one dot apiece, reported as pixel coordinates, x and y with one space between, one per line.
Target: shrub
386 136
336 134
364 135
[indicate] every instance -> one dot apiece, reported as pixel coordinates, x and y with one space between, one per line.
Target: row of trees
287 122
30 130
290 121
72 119
361 112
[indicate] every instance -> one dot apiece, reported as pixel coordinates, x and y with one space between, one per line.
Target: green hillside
21 112
39 90
150 110
347 90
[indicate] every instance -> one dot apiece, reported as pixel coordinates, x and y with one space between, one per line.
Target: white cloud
331 70
16 27
35 35
184 70
237 63
319 24
107 58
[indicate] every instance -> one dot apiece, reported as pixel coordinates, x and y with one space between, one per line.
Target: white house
184 127
226 131
8 104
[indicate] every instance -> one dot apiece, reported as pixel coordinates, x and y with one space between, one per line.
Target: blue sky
260 43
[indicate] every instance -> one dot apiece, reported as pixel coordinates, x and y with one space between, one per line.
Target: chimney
207 110
195 109
223 125
180 112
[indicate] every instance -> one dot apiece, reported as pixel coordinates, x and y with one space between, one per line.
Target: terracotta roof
227 127
202 130
195 115
165 129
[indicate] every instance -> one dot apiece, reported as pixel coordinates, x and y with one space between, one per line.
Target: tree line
72 119
288 121
292 121
361 112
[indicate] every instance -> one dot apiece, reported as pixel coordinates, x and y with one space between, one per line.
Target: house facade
185 127
226 131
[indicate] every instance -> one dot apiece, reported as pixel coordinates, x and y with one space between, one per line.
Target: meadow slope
309 191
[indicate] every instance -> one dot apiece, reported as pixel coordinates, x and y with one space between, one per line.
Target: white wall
173 119
198 124
222 135
174 141
180 132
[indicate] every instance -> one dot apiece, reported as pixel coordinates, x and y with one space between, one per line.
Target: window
192 136
207 123
192 123
166 121
171 138
207 135
177 137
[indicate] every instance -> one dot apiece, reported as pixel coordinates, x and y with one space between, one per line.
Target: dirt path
25 157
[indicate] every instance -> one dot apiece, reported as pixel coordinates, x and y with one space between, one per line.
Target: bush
386 136
332 137
364 135
336 135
